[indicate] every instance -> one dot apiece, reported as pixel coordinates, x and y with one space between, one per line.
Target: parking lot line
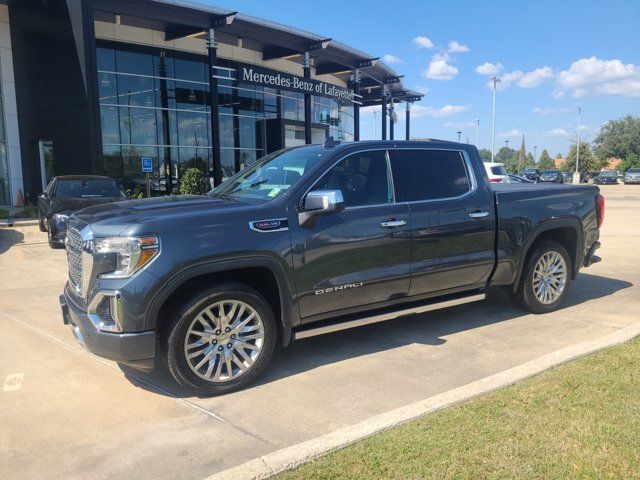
159 389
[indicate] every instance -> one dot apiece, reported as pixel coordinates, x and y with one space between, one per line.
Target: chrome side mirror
42 196
320 202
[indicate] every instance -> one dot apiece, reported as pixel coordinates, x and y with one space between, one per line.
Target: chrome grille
74 258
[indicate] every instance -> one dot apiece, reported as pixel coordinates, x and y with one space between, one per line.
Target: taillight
495 180
600 209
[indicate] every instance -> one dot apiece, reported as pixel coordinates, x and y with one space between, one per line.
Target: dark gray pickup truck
312 240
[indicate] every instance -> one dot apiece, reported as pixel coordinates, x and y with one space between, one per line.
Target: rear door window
431 174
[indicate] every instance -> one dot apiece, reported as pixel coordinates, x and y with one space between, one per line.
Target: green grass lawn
579 420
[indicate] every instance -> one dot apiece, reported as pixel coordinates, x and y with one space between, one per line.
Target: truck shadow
8 238
426 329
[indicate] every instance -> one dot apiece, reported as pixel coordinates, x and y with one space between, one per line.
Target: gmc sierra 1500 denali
311 240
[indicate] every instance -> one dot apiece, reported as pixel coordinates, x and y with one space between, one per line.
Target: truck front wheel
545 279
221 339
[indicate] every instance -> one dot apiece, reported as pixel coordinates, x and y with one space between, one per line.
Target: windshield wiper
253 185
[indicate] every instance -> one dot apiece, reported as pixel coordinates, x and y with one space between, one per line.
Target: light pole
495 81
506 143
375 114
576 174
459 133
535 153
477 133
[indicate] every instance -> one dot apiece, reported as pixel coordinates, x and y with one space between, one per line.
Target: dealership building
95 86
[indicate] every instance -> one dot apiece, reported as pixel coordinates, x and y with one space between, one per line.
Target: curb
295 455
19 222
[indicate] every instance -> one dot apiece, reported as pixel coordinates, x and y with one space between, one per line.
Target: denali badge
346 286
273 225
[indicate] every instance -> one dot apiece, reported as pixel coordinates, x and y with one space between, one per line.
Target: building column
408 122
212 46
307 101
384 113
356 106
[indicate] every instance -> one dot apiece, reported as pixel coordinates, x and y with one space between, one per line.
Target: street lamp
375 115
506 143
535 153
495 81
576 174
459 133
477 133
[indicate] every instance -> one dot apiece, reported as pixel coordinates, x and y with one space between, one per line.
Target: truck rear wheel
545 279
221 339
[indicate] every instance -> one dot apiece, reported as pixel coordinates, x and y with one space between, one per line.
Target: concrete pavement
66 413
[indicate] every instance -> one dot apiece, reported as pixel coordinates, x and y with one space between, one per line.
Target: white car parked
496 172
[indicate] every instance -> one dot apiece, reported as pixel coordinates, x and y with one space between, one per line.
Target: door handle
393 223
481 214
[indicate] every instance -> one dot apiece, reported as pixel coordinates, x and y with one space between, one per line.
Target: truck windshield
272 175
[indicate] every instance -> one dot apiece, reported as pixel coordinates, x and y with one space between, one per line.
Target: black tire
41 224
524 295
174 332
53 244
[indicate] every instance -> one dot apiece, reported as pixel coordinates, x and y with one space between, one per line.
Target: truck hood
115 218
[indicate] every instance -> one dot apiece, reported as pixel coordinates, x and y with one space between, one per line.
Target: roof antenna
330 142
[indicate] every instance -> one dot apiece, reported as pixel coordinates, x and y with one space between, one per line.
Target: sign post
147 168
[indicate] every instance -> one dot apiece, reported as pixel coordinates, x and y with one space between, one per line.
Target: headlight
60 217
131 253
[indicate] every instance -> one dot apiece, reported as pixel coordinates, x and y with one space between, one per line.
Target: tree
618 138
546 162
530 161
485 155
588 162
522 158
632 161
193 182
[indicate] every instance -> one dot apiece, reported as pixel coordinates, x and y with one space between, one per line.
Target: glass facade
155 102
5 194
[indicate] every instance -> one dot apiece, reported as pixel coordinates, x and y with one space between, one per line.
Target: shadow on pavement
427 329
8 238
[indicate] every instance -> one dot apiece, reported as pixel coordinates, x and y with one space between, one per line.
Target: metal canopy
190 19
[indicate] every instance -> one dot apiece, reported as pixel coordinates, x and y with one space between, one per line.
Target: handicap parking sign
147 165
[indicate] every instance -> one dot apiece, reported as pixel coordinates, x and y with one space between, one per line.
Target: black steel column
213 89
307 101
356 106
384 113
166 136
408 121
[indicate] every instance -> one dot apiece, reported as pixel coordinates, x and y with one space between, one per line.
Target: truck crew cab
311 240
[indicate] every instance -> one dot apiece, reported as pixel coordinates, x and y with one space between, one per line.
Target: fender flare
552 224
177 279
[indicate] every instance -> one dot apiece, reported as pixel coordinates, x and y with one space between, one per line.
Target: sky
552 57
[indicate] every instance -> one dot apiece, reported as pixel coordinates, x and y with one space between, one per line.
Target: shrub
4 213
193 182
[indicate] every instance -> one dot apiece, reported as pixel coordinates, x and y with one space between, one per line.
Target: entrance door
46 162
361 255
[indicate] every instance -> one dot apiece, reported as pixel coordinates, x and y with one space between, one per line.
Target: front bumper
632 181
134 349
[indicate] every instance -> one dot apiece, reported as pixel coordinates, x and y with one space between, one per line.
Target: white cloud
536 77
512 133
423 42
428 111
489 68
596 76
370 109
550 111
439 68
557 132
455 47
422 89
459 125
388 58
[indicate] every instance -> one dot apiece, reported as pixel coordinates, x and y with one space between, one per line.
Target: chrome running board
335 327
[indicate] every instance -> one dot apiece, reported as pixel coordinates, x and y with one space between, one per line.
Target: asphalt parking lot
67 414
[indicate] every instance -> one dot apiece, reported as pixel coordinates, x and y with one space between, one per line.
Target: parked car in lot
551 176
67 194
606 177
530 173
632 176
496 172
567 177
208 285
518 179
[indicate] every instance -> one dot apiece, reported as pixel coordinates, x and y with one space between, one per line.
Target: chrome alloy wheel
224 340
549 277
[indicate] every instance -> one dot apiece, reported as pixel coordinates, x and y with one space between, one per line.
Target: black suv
312 240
